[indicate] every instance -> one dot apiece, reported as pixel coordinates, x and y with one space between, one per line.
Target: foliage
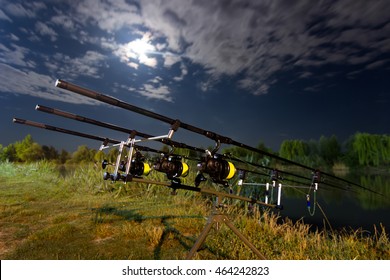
361 150
83 154
295 150
371 149
9 153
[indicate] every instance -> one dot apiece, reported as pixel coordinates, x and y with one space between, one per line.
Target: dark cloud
257 38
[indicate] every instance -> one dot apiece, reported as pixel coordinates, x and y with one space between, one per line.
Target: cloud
153 88
16 81
15 55
88 65
261 39
3 16
156 91
253 41
184 72
45 30
109 15
26 9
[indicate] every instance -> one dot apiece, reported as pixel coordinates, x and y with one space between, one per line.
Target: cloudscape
252 70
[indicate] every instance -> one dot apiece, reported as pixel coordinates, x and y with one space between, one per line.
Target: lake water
354 208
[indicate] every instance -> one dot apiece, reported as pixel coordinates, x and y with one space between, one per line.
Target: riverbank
48 214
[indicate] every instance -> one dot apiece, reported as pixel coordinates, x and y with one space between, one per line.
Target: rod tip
58 83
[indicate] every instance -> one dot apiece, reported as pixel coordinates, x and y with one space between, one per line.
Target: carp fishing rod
79 118
175 184
163 140
171 165
220 139
167 141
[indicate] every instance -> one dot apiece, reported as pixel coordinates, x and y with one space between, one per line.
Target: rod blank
63 130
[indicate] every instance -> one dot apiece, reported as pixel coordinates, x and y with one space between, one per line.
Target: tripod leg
243 238
201 238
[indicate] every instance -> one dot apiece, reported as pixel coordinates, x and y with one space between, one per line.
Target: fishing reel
138 168
172 165
218 169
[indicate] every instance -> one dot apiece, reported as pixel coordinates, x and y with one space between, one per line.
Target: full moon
140 47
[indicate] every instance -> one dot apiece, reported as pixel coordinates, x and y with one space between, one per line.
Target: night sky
255 71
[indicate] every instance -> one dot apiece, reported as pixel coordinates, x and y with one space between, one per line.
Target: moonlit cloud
252 41
45 30
15 81
156 91
3 16
256 38
89 64
220 56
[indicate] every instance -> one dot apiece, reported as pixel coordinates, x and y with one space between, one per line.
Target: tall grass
51 213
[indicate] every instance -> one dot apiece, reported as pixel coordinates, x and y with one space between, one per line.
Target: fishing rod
79 118
175 184
169 165
170 142
65 131
144 135
219 169
209 134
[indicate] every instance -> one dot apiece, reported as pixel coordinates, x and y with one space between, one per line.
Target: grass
47 213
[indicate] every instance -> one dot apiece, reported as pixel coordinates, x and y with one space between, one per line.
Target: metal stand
217 217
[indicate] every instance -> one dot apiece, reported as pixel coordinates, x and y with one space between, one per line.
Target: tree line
28 150
361 149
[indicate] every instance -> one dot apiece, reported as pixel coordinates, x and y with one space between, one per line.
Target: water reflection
348 206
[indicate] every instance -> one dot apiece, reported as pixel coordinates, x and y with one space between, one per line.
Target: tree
370 149
9 153
83 154
64 156
50 153
329 149
99 156
28 150
295 150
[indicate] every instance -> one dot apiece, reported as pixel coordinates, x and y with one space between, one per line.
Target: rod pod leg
217 217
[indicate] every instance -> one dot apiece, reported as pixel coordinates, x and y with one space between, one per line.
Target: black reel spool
218 169
172 166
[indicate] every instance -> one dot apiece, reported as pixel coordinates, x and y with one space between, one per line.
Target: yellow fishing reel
218 169
173 166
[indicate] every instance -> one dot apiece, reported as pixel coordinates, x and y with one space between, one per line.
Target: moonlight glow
140 48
